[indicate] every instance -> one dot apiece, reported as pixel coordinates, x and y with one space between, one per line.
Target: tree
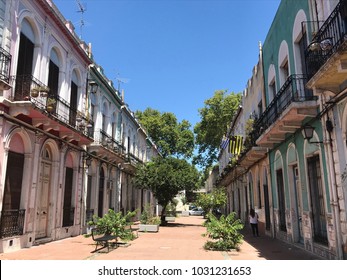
165 178
212 201
172 138
215 119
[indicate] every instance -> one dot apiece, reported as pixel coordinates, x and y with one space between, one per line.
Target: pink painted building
53 165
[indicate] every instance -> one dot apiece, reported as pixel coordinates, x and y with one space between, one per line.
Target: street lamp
93 86
308 131
88 161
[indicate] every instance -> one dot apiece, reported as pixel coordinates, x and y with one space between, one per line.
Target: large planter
148 228
185 213
170 219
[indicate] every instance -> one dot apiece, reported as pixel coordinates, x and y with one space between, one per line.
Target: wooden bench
105 240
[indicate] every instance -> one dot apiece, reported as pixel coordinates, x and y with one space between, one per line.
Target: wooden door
43 200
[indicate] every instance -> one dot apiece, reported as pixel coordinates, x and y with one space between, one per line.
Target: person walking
253 220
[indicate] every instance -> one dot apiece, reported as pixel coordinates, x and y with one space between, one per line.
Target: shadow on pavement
275 249
175 224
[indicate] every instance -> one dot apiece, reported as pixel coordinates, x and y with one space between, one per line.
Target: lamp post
93 86
309 129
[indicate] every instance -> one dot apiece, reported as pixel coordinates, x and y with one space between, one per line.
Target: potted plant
148 222
50 104
78 117
44 91
34 92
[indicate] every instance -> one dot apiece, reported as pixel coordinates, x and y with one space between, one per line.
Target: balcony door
25 62
73 103
53 77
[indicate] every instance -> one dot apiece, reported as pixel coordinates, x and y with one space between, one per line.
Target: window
284 70
260 108
272 89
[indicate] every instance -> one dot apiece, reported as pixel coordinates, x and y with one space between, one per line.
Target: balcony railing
12 223
327 40
133 159
111 143
5 64
28 88
293 90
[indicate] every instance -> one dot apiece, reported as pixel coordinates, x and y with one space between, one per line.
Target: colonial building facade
67 149
297 178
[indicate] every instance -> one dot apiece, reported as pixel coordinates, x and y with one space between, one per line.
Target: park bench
105 240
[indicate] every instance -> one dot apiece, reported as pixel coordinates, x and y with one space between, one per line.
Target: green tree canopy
216 199
172 138
215 119
165 178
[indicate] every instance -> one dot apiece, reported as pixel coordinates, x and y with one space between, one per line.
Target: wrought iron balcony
328 41
111 143
131 158
28 88
5 65
12 222
285 112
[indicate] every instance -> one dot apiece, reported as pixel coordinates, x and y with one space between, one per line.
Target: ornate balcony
5 64
326 55
48 111
12 223
291 105
108 147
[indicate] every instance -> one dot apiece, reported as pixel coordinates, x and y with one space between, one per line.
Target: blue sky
172 55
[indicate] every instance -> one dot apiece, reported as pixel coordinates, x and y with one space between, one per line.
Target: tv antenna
81 9
121 81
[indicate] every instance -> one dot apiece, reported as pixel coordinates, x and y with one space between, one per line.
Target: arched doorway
43 191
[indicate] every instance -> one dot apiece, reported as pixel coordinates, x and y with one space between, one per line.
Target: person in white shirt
253 220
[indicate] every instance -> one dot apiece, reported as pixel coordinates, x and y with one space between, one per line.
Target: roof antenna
121 81
81 10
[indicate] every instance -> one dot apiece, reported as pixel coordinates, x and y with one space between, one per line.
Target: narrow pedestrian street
180 240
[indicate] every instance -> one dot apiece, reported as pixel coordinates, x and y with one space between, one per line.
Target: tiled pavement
180 240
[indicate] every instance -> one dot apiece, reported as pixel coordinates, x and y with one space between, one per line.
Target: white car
196 211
